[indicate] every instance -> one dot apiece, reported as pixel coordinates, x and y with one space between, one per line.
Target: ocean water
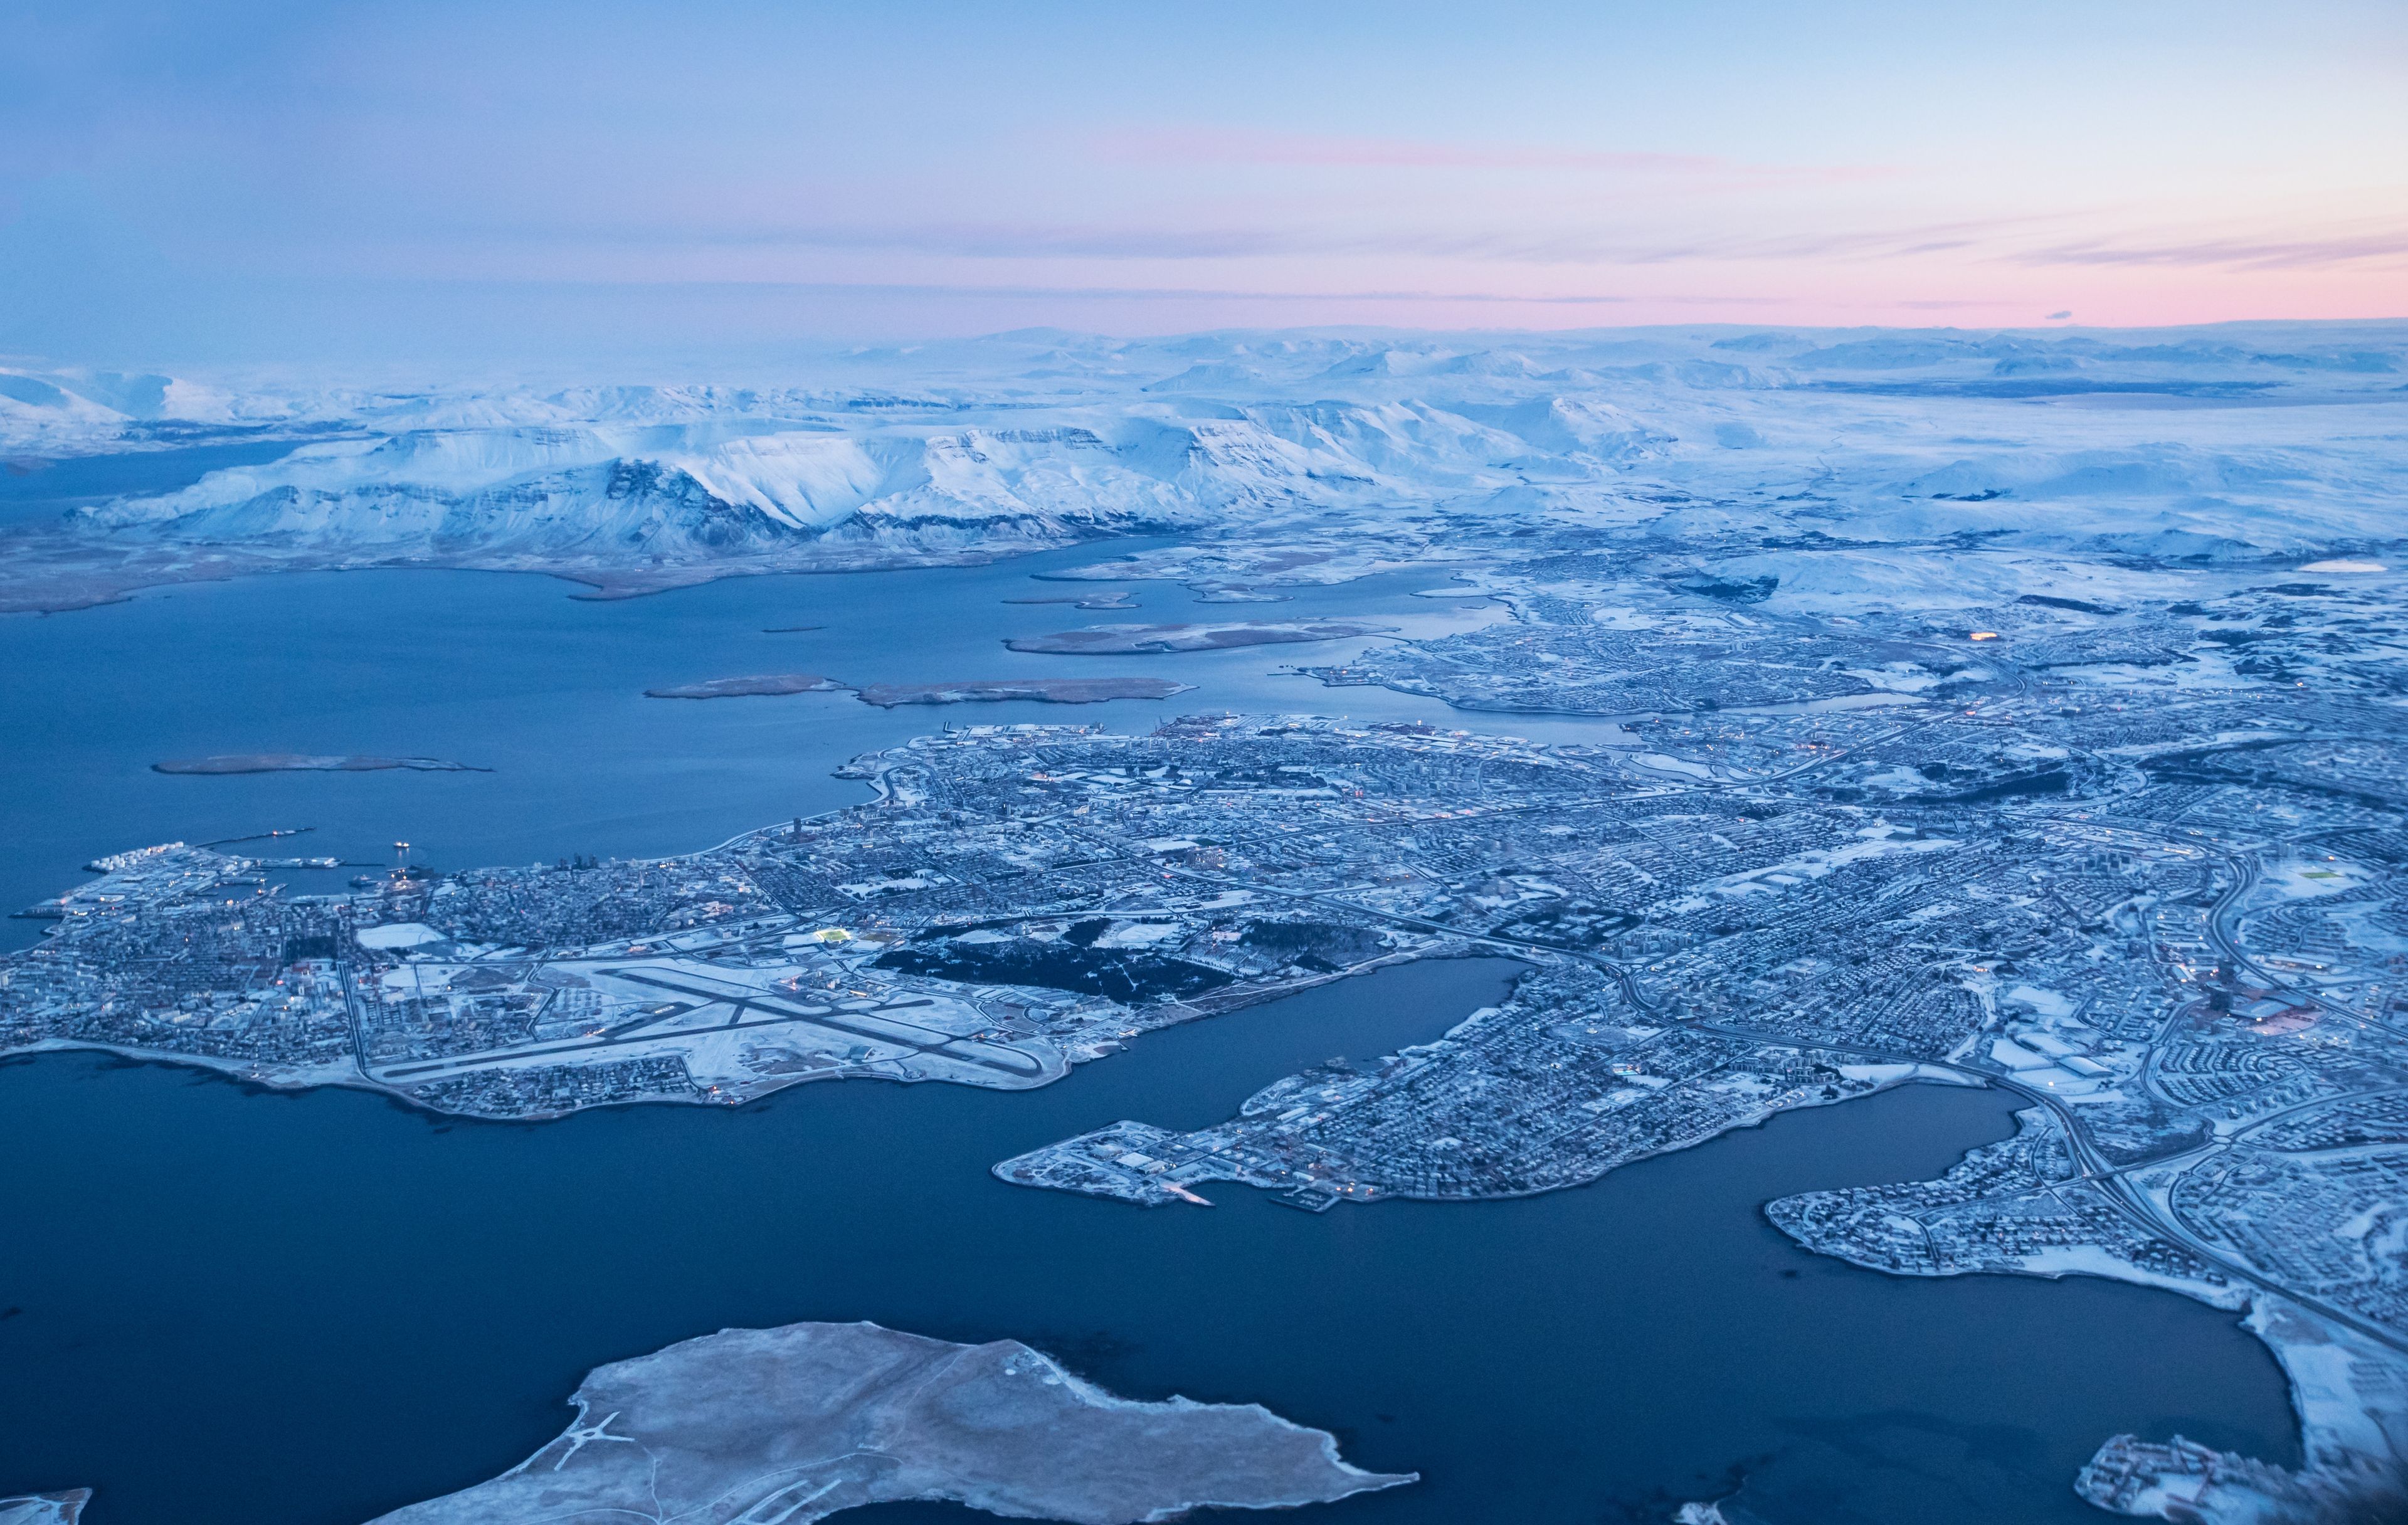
513 673
219 1304
33 491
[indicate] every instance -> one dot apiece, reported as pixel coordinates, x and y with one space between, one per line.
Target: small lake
220 1305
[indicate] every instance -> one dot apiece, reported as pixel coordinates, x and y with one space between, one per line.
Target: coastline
83 572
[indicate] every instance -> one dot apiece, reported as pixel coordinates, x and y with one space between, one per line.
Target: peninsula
758 685
1116 598
64 1508
1041 690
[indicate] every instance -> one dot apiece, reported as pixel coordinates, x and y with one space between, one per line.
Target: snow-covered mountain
675 491
2237 440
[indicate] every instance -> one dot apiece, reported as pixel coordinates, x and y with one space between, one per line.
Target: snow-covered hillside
2238 441
674 490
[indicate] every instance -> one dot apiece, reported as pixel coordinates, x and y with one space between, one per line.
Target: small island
294 762
63 1508
795 1424
1041 690
1134 640
737 688
1117 598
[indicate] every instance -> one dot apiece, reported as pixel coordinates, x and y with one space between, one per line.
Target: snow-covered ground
2234 442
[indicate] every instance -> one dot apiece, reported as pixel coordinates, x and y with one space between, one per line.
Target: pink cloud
2385 245
1233 145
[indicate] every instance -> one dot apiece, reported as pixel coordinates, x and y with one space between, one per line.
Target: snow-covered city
1527 765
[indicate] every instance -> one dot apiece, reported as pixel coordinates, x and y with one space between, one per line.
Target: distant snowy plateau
1347 449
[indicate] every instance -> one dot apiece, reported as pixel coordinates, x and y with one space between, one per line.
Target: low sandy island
737 688
1043 690
794 1424
295 762
1132 639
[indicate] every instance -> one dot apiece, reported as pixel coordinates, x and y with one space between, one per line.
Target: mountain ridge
2264 441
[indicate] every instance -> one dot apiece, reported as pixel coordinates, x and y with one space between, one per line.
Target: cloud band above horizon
190 186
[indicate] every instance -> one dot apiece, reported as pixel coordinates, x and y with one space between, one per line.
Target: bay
508 672
304 1310
222 1304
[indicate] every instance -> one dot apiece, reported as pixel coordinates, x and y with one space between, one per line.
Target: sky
321 181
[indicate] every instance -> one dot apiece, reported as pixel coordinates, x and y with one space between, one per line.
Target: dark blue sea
219 1305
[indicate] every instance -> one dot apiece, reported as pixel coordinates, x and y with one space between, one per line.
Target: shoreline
28 591
2246 1313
